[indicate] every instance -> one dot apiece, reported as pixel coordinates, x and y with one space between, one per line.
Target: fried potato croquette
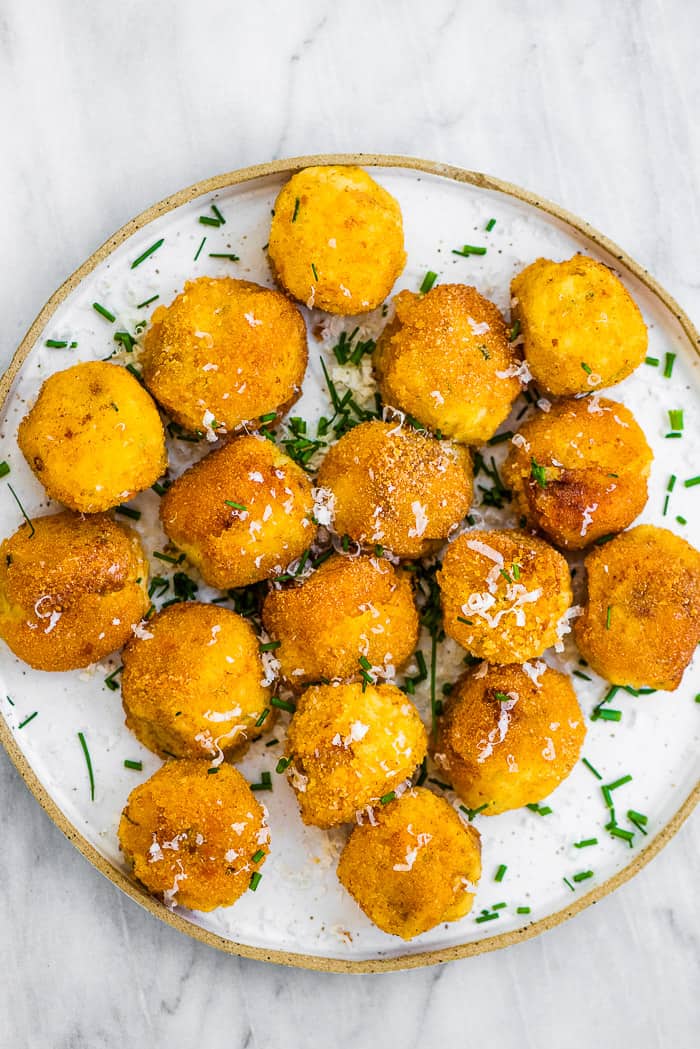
223 353
94 437
241 514
193 684
641 620
350 608
503 594
581 328
192 838
397 488
71 589
579 471
446 360
416 865
348 746
509 737
336 240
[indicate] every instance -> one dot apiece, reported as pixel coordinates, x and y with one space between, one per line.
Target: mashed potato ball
193 838
397 488
193 684
223 353
350 608
509 736
445 359
336 240
641 620
581 328
94 437
416 865
504 594
71 589
579 471
241 514
348 746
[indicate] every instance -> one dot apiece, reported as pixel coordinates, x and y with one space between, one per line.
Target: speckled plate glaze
300 915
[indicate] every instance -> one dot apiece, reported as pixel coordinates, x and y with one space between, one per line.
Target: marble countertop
107 108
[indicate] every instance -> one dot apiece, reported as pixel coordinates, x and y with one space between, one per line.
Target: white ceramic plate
300 914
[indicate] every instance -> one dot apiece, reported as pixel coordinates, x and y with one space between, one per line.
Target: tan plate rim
156 908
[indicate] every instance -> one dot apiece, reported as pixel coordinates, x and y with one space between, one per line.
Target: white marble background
107 107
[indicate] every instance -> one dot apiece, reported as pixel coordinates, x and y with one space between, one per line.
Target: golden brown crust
397 488
336 239
503 594
191 835
596 464
641 620
234 547
94 437
224 353
416 864
446 360
349 745
581 328
192 685
350 607
506 741
70 590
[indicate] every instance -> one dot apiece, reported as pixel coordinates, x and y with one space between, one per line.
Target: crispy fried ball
351 607
508 737
414 866
397 488
192 685
445 359
350 745
71 589
641 620
194 839
581 328
336 240
241 514
579 471
94 437
503 594
225 352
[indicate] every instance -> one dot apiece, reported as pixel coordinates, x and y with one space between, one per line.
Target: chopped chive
500 873
590 767
147 252
257 856
224 255
142 305
567 882
668 435
439 783
135 372
580 673
235 506
586 367
365 663
386 798
514 331
4 469
469 249
461 619
269 646
55 344
23 511
608 616
137 766
668 366
500 437
675 416
428 281
606 714
271 742
282 764
505 575
603 539
110 680
489 225
637 817
28 719
213 771
167 557
103 312
261 719
471 813
541 810
313 269
265 782
486 917
653 361
255 879
207 220
585 843
538 473
522 910
10 700
199 249
127 341
220 217
128 511
282 704
296 210
582 876
498 906
619 782
691 482
618 832
88 762
665 509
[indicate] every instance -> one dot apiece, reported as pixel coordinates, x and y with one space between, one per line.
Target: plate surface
300 915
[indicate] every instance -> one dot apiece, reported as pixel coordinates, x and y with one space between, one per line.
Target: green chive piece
220 217
538 473
691 482
4 469
22 511
681 521
111 679
469 249
489 225
282 764
486 917
439 783
619 782
235 506
142 305
257 856
88 762
313 270
590 768
128 511
207 220
261 719
668 366
147 252
428 281
582 876
386 798
199 249
269 646
296 210
580 673
500 873
608 615
28 719
255 879
224 255
653 361
567 882
522 910
282 704
606 714
665 509
103 312
541 810
137 766
55 344
586 367
675 416
168 558
471 813
618 832
514 331
213 771
585 843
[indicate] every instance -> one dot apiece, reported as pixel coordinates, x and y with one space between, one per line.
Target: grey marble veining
106 108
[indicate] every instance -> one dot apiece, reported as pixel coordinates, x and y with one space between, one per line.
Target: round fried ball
416 865
581 328
641 620
336 240
94 437
579 471
223 353
503 594
508 737
349 746
241 514
397 488
193 684
71 589
445 359
192 838
350 608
